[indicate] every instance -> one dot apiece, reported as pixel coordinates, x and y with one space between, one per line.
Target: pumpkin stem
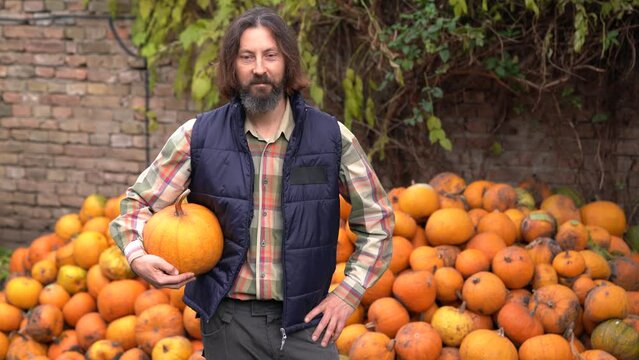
370 325
500 331
178 203
391 345
458 294
532 312
573 348
462 307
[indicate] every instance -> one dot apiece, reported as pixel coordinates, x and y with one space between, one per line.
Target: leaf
436 135
317 94
145 7
496 149
200 87
532 5
459 7
370 112
600 117
191 34
446 144
433 123
203 4
437 92
444 54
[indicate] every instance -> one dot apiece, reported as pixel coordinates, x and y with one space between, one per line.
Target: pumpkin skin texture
596 265
618 338
11 317
80 304
572 235
188 236
387 315
117 298
135 354
545 347
415 290
452 324
485 344
418 341
484 293
382 288
625 273
23 292
45 322
104 350
518 324
89 329
556 306
24 347
349 334
114 264
606 214
605 302
172 348
449 226
448 282
597 355
543 250
156 323
514 267
372 345
122 330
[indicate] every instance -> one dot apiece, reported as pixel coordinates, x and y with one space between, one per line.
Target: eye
246 57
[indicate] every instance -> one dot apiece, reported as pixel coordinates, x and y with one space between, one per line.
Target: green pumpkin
576 197
618 338
632 237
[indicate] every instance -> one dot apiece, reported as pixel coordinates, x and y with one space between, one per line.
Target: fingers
330 330
159 273
316 311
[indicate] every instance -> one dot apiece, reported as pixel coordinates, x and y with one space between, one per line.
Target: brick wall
71 125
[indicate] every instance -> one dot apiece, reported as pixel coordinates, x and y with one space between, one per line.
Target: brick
132 127
73 33
167 117
76 89
86 151
64 189
94 47
70 125
24 199
120 166
3 71
99 139
49 124
98 126
95 178
13 84
33 5
79 5
78 138
130 76
11 45
473 97
123 115
45 46
102 114
104 76
20 71
61 112
71 47
85 189
13 5
95 33
21 110
5 110
60 99
74 201
97 89
22 31
43 148
42 111
59 137
76 60
12 97
130 154
48 59
57 87
71 73
628 147
121 141
101 101
48 199
45 72
54 5
156 103
122 31
9 159
54 33
37 86
39 160
14 172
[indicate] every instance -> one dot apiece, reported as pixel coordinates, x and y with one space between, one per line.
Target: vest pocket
216 323
302 175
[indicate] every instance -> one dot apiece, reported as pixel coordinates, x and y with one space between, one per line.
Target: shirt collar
286 125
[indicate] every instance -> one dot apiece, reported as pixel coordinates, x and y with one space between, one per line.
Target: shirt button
263 276
263 243
265 181
264 213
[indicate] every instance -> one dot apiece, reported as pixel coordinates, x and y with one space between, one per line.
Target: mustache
261 80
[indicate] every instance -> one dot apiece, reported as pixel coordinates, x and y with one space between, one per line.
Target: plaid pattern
261 275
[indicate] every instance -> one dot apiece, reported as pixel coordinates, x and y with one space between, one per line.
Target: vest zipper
283 338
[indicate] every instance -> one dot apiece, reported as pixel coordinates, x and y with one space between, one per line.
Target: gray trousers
251 330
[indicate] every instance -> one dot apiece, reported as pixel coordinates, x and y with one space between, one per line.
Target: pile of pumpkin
72 294
492 271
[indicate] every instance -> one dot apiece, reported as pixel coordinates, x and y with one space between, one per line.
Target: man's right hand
159 273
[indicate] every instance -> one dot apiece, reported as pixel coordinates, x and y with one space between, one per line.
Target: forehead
257 39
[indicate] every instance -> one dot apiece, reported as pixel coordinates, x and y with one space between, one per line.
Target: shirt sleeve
372 220
158 186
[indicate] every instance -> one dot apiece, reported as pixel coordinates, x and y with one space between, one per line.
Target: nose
259 66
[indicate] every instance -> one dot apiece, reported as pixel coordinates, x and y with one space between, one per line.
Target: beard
260 100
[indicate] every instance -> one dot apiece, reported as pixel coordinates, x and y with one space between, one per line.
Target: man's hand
159 273
336 312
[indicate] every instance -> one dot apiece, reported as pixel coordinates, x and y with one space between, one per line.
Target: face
259 68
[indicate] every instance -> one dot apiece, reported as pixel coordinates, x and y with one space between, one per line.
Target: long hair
294 77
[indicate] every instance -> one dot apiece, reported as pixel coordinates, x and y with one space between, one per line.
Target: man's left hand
336 311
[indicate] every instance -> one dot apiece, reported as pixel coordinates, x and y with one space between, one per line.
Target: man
271 168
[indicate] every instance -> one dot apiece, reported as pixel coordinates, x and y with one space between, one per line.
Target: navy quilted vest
222 180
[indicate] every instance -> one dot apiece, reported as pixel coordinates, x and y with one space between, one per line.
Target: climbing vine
383 66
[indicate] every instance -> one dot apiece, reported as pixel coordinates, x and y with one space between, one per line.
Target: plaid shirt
261 274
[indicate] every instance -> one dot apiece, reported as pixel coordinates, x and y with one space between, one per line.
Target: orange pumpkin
420 238
519 296
449 353
500 197
537 224
149 298
22 346
349 334
418 341
596 266
114 264
543 250
606 302
87 247
67 341
606 214
561 207
448 183
450 226
569 263
487 242
68 226
156 323
415 289
112 207
474 192
387 315
188 236
499 223
382 288
117 299
89 329
546 347
44 323
122 330
597 355
191 323
514 267
484 292
556 306
419 201
17 262
23 292
104 349
44 271
572 235
172 347
42 245
485 344
449 283
425 258
372 345
582 285
448 253
11 317
545 275
618 246
471 261
518 324
79 305
402 248
54 294
405 225
625 272
345 247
